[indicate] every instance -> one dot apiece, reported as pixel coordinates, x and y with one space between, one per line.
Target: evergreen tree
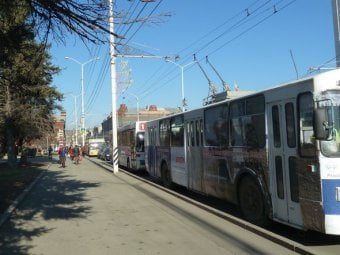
27 99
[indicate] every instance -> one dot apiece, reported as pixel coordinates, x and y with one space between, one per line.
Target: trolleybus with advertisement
274 153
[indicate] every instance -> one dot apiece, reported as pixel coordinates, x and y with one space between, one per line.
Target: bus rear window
140 142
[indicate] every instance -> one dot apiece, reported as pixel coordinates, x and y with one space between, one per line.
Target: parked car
101 150
107 154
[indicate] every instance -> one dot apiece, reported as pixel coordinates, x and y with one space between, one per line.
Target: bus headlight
337 194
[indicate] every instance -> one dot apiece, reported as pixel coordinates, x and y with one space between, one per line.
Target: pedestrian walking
76 153
62 156
50 149
71 153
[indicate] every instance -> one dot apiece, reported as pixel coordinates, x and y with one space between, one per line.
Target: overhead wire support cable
132 23
146 56
140 26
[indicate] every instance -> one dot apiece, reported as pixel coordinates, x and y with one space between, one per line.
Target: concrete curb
19 199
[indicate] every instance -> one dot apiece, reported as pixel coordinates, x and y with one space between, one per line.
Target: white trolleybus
131 146
274 153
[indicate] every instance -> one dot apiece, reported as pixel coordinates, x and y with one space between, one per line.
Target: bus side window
188 134
198 140
276 126
290 123
251 136
236 132
247 122
305 115
164 132
201 131
192 133
216 131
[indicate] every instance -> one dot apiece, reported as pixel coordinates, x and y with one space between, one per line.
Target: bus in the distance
92 146
131 146
273 153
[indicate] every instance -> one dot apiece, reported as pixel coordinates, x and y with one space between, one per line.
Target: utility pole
76 116
113 83
113 90
336 22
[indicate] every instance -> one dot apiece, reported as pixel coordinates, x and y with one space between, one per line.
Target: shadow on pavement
57 196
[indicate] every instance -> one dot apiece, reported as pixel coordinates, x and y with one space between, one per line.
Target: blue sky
244 40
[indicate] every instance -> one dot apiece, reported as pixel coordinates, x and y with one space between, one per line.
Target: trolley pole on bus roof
113 90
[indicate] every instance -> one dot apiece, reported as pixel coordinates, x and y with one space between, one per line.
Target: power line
215 29
273 9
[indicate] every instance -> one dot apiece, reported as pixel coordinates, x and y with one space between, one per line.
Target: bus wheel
251 202
166 176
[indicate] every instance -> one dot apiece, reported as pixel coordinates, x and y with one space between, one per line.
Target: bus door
151 152
282 142
194 144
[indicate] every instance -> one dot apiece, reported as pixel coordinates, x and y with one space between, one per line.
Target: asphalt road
82 209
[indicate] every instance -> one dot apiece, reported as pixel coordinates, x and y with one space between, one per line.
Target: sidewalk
83 209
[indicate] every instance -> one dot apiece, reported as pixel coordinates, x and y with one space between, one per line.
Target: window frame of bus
211 137
248 111
177 131
306 150
164 132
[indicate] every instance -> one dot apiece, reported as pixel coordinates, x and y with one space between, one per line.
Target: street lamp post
76 115
182 77
82 93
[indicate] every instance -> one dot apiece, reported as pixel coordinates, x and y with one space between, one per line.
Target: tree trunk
10 145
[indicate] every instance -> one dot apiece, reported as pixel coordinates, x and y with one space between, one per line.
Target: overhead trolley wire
142 24
229 20
253 26
249 15
275 10
121 27
99 85
217 28
100 81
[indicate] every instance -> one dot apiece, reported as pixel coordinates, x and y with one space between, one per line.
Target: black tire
166 176
251 202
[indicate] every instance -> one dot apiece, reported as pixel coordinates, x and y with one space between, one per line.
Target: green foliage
27 97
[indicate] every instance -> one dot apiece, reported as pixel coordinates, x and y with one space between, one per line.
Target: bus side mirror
321 124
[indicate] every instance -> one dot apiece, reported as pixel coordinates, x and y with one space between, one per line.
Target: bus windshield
95 145
331 146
